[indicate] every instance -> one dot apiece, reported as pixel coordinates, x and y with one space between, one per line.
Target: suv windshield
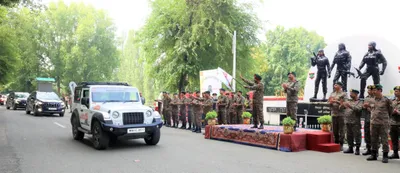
21 95
114 94
47 96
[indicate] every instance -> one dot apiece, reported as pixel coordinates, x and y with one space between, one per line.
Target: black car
16 100
45 103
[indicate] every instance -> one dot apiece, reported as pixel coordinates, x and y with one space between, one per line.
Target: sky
333 19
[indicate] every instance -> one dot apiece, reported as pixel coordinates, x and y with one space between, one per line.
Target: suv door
84 110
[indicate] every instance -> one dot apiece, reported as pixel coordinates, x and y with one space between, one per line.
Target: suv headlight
38 103
16 101
115 114
148 113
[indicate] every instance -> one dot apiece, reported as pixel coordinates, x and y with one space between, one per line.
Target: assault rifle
352 74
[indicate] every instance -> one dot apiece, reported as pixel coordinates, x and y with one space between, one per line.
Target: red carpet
273 137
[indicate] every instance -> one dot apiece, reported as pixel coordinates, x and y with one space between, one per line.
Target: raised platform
272 137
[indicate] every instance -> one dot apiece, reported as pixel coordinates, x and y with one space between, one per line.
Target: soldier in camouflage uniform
221 107
291 89
188 103
395 124
336 100
381 109
197 113
258 99
167 108
228 107
183 109
175 110
367 120
353 122
239 106
207 103
232 112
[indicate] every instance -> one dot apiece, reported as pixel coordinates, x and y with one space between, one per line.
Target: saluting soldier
167 108
221 107
292 88
175 110
258 99
230 108
239 106
395 124
367 120
381 109
183 109
197 113
353 122
338 112
207 104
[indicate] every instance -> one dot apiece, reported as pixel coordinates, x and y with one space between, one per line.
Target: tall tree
181 38
8 2
286 51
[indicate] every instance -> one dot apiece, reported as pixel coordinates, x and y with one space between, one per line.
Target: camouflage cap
257 76
378 86
207 92
222 89
396 88
355 91
214 94
164 92
371 87
339 83
293 73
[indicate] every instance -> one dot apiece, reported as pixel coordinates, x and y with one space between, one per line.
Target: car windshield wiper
111 101
129 101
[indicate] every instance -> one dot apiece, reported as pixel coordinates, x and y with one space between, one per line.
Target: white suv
109 110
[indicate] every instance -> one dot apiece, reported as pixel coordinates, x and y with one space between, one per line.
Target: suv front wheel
154 138
78 135
100 138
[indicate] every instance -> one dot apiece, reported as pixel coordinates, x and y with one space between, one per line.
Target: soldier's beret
258 77
207 92
396 88
371 87
183 92
293 73
378 86
355 91
339 83
222 89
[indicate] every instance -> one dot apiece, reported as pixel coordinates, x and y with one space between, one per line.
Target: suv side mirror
85 101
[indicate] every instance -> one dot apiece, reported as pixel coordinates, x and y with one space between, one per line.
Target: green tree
286 51
181 38
8 2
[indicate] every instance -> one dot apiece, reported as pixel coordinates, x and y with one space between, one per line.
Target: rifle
313 59
350 73
358 72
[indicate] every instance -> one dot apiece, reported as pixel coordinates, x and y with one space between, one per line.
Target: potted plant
246 117
211 117
325 122
288 124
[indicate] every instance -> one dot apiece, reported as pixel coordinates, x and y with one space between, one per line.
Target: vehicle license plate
52 109
136 130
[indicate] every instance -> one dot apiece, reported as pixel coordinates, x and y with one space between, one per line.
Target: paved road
44 144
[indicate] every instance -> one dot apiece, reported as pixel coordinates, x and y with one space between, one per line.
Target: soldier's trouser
321 75
353 134
175 116
222 116
167 116
394 135
190 117
197 119
367 134
239 116
291 109
228 117
371 71
379 135
233 118
258 115
183 116
338 129
343 76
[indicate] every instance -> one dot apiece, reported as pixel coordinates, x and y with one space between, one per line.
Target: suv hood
43 100
119 106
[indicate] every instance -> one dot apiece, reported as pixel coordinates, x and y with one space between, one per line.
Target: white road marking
59 125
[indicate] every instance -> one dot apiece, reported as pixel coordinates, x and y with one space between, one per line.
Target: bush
288 121
326 119
211 115
246 115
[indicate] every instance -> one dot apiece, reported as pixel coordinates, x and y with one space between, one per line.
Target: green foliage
288 121
8 2
326 119
246 115
181 38
284 51
211 115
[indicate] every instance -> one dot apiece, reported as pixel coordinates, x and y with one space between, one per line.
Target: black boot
395 155
324 98
255 125
198 130
194 129
373 156
357 151
368 152
183 126
261 125
349 150
315 94
385 158
341 146
190 127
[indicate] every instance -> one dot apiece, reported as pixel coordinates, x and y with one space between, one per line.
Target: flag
225 78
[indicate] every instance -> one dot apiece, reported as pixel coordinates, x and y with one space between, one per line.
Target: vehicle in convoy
111 110
3 99
45 103
16 100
